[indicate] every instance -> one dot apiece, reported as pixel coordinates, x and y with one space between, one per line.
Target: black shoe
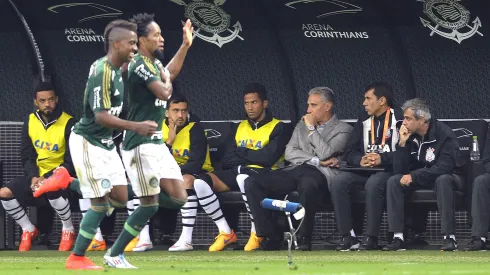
449 244
42 239
348 243
269 244
304 243
396 245
370 243
165 240
417 240
476 244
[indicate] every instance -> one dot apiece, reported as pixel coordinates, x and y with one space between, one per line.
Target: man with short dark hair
186 139
426 157
314 150
92 146
258 144
371 145
44 147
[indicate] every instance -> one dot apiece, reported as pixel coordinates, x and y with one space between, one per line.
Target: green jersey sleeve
99 88
145 71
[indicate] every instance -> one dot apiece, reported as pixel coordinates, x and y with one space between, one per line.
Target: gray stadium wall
279 43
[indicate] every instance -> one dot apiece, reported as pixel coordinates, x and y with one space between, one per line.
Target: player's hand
146 128
172 132
404 135
365 161
309 120
36 182
188 31
406 180
374 159
331 162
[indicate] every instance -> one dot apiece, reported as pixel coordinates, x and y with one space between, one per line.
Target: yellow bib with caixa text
256 139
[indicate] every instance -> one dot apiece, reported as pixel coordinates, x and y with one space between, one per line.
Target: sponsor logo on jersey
250 143
143 73
157 135
96 97
48 146
105 184
378 148
154 182
180 152
116 111
160 103
429 155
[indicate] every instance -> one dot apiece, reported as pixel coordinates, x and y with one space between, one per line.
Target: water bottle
475 151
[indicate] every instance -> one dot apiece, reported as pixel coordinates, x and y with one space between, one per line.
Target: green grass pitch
238 262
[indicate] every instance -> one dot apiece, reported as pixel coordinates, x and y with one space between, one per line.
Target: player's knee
150 209
6 194
188 181
240 179
54 195
118 202
205 178
118 197
171 202
101 207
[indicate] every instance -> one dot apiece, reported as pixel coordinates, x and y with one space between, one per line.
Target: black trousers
167 220
480 206
310 183
341 189
444 187
21 189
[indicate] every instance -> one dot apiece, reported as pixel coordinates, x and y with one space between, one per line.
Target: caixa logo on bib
451 20
213 23
79 11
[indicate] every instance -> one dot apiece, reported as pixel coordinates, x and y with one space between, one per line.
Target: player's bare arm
144 128
175 65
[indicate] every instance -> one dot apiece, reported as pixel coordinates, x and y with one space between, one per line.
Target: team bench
219 132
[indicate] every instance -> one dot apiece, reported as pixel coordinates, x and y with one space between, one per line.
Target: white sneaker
143 245
181 246
117 261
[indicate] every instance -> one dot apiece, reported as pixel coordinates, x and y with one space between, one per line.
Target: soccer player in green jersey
99 168
149 164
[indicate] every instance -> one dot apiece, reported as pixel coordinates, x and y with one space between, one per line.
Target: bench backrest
219 133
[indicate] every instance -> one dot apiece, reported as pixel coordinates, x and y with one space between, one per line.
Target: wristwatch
311 127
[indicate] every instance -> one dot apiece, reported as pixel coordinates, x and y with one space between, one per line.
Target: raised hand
187 30
172 132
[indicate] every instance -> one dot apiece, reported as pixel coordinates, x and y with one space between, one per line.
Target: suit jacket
331 142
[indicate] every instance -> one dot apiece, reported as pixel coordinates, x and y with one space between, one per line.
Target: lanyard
385 129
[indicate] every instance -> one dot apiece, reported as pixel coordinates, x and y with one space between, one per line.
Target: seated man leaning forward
426 157
313 150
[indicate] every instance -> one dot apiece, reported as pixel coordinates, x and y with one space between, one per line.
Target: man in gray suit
318 139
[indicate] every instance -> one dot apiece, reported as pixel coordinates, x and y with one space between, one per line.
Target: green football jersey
143 104
104 92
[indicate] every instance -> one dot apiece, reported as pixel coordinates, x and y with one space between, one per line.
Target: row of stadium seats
219 132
